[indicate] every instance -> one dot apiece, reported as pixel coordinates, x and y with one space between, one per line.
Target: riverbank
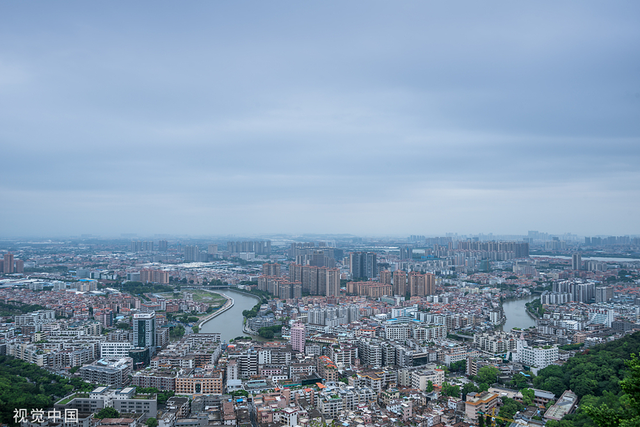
533 314
227 306
229 323
514 310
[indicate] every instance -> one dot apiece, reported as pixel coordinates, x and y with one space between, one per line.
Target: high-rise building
19 266
406 252
363 265
144 331
298 337
163 245
295 273
191 253
604 293
259 248
156 276
399 283
576 262
297 290
333 282
8 263
583 292
271 269
322 281
213 250
416 284
429 284
385 277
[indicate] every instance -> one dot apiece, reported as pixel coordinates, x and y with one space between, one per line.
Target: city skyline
366 118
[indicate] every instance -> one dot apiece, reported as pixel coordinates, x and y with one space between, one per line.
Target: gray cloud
284 117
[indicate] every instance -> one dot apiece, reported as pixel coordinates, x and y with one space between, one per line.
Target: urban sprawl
345 331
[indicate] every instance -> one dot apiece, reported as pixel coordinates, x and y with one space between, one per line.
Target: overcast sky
362 117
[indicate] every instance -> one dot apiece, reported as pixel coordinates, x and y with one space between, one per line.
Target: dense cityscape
327 213
317 330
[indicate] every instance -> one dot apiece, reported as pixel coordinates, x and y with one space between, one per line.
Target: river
229 323
516 313
590 258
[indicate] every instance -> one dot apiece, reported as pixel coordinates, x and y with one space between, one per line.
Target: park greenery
519 381
253 312
605 377
15 308
535 307
269 332
27 386
593 371
626 411
571 347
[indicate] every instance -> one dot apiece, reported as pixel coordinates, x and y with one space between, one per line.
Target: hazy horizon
364 118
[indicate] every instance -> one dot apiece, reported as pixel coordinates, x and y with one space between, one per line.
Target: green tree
519 381
195 329
527 396
107 412
487 374
450 390
266 333
469 388
176 332
459 366
237 393
509 408
561 423
151 422
628 414
429 388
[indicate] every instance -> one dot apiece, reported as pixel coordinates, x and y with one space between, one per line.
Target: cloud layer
364 117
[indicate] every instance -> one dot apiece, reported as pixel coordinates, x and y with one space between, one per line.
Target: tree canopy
593 371
450 390
27 386
625 412
487 375
107 412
